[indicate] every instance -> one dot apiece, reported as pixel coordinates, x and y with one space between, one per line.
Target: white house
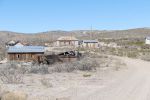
147 40
67 41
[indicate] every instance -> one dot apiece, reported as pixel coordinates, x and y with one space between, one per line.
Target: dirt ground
130 82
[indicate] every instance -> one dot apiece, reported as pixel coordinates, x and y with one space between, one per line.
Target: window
18 56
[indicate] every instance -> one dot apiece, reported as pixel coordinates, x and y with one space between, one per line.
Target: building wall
90 45
76 43
23 56
67 43
147 41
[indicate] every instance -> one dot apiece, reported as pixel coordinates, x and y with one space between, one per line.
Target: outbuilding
147 40
89 44
67 41
25 53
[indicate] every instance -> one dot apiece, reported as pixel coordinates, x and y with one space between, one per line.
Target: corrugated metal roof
90 41
26 49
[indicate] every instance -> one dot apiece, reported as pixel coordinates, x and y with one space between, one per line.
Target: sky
31 16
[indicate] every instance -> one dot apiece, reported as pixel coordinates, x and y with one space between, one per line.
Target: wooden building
25 53
89 44
67 41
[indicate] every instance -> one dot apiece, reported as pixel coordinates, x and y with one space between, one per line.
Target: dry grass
86 64
11 74
13 96
86 75
46 82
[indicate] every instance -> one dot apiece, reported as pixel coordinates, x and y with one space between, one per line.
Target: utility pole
52 38
91 33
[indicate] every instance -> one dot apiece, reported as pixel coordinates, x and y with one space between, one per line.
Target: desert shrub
132 54
145 57
86 64
12 72
86 75
46 82
10 75
38 69
65 67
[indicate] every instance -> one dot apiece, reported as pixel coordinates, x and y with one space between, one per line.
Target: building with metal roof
25 49
25 53
89 43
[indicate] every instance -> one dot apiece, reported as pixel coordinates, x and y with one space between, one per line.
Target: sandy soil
134 84
129 83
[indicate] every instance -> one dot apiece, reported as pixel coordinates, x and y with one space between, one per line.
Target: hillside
49 36
52 35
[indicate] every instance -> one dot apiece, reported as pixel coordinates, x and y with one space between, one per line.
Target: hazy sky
45 15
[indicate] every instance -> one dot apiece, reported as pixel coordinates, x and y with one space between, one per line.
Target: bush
132 54
12 72
36 69
146 57
86 75
86 64
46 82
10 75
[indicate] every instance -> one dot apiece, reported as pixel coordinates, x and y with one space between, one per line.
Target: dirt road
134 84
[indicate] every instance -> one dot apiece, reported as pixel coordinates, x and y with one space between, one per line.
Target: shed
89 43
147 40
67 41
24 53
